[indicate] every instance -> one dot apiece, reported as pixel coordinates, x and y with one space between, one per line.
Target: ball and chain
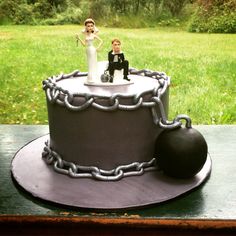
169 157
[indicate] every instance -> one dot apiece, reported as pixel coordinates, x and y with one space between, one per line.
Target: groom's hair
116 40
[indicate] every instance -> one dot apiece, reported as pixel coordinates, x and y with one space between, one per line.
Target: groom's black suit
117 62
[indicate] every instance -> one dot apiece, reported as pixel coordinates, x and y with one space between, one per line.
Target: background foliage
201 67
201 15
218 16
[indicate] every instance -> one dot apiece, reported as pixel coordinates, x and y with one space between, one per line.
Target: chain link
77 171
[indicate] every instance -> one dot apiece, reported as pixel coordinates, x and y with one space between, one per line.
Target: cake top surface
140 84
146 89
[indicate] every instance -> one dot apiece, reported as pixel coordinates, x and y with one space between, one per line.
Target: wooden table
208 210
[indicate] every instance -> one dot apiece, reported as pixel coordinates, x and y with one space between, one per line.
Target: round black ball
181 152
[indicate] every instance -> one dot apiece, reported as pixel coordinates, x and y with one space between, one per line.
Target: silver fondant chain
77 171
56 94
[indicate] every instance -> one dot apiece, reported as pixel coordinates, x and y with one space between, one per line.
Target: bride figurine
90 31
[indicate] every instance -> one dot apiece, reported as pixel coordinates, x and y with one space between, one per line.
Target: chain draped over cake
56 94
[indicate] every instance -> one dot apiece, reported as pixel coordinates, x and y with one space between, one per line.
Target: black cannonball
181 152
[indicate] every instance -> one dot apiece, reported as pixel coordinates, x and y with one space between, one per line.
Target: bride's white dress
91 60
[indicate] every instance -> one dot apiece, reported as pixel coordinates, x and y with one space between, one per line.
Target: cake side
117 128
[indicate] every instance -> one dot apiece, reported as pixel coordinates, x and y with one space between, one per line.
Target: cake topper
90 34
117 60
117 67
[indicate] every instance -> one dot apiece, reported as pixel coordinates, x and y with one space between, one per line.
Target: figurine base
35 176
108 84
117 80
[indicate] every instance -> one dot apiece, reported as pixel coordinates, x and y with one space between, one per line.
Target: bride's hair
90 20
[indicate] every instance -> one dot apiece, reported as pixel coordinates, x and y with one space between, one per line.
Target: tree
43 9
175 6
9 8
56 3
214 16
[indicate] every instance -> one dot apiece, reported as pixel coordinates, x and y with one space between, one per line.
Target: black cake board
38 178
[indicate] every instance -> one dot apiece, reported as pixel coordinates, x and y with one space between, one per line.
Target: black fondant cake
104 126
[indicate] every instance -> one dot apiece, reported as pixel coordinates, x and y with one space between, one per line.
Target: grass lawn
202 68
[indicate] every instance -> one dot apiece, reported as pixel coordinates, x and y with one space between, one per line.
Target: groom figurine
117 60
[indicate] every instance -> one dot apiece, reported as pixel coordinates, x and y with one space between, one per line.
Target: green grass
202 68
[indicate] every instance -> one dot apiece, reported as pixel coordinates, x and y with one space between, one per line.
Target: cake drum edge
40 180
